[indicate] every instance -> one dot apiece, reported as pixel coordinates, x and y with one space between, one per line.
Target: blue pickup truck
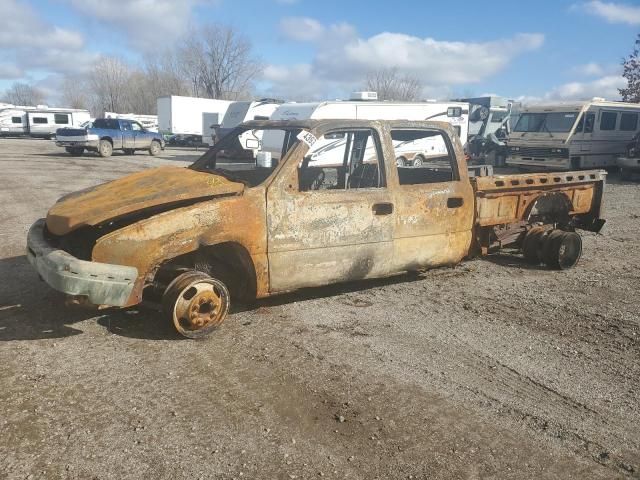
107 135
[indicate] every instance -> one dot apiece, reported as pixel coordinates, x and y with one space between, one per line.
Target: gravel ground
492 369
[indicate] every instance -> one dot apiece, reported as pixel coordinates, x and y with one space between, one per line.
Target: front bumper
556 163
101 283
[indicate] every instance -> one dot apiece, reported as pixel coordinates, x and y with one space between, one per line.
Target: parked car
109 134
195 238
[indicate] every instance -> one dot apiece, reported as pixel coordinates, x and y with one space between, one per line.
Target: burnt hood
138 192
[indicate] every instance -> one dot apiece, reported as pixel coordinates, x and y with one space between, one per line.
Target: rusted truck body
194 238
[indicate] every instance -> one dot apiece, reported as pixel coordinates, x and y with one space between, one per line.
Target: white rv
40 121
570 136
455 113
149 122
237 113
183 115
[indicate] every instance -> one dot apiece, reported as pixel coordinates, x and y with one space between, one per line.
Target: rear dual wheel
555 248
196 303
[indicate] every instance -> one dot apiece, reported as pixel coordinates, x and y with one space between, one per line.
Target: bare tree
109 80
390 85
23 94
74 92
218 62
631 71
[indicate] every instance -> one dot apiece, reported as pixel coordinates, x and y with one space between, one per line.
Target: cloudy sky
542 50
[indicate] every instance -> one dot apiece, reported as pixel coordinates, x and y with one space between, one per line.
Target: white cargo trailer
183 115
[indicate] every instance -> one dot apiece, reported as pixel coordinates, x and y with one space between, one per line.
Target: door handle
455 202
382 208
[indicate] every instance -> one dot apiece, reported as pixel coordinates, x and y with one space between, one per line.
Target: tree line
212 61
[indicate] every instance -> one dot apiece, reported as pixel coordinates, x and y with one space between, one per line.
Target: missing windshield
248 155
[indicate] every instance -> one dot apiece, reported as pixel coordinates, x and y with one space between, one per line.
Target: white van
570 136
40 121
409 153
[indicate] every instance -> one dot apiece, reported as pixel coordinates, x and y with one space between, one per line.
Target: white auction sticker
307 138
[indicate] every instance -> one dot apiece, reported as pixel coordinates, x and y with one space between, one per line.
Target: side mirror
252 144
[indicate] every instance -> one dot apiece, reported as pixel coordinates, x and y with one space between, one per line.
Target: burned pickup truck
324 202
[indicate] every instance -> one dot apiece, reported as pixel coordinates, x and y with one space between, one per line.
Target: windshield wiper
544 125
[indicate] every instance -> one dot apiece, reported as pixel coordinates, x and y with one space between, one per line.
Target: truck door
142 138
128 139
434 202
330 216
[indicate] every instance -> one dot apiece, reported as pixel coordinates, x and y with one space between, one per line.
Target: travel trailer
237 113
455 113
183 115
570 136
149 122
40 121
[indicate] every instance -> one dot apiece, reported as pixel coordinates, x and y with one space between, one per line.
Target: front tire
155 148
105 149
196 304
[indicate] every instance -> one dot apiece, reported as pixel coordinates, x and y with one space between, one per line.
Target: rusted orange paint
133 193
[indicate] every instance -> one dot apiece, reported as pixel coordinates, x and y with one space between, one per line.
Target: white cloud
302 29
148 24
28 42
343 59
591 69
605 87
612 12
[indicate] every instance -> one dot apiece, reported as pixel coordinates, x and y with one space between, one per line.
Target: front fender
151 242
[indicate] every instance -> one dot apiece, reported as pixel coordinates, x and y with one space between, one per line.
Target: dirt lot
493 369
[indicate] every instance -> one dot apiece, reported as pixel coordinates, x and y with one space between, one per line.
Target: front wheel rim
201 305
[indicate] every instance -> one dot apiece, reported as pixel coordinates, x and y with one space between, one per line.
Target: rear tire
401 162
562 250
105 149
155 148
418 161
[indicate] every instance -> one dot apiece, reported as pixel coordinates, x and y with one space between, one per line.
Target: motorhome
40 121
570 136
149 122
408 153
183 115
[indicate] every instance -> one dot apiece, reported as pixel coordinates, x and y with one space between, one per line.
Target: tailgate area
507 199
